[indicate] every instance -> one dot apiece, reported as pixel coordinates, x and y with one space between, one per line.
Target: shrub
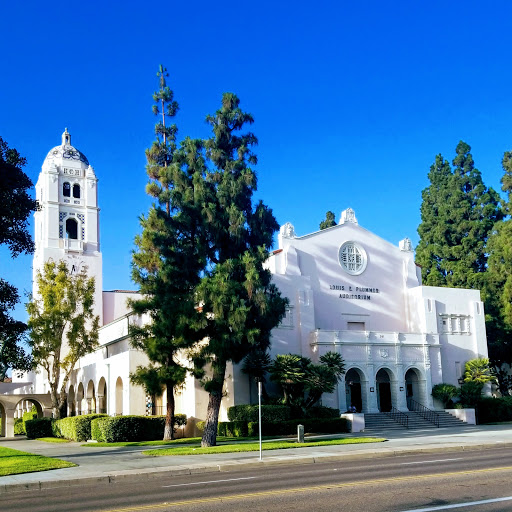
470 393
233 428
490 410
19 427
38 427
30 415
131 428
200 425
321 411
445 393
311 425
76 428
247 412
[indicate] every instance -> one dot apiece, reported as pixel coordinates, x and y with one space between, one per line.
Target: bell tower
67 223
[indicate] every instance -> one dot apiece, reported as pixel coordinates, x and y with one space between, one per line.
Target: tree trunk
55 401
212 419
212 413
169 418
63 403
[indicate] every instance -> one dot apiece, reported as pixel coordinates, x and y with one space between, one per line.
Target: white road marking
212 481
429 461
460 505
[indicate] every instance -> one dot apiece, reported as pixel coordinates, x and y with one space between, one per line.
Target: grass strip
253 447
194 441
53 439
14 462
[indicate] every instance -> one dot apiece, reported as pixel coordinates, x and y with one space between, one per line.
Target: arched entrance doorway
415 387
80 400
71 401
119 396
353 390
91 398
384 395
102 396
2 420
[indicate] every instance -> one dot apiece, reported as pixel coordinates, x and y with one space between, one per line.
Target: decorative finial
66 138
287 230
348 215
405 245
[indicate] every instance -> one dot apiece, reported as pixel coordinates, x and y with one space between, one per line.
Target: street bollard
300 433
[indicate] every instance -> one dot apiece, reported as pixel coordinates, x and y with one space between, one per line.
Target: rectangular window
356 326
287 321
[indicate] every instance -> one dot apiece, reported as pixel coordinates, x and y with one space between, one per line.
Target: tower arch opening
72 229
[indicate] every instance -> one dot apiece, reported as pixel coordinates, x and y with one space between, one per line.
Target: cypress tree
329 221
498 286
169 257
458 213
240 304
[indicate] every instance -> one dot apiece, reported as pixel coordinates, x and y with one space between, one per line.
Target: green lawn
253 447
13 462
53 439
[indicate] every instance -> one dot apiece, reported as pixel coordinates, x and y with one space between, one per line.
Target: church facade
349 291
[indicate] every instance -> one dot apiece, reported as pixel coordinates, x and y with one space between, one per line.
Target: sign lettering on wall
354 292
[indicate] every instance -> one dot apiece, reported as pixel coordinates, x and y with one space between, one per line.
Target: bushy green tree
63 327
458 213
329 220
15 207
170 255
238 300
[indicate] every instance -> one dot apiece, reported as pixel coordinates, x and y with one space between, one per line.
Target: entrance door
355 396
384 396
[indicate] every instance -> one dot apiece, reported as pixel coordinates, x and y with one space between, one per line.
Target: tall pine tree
458 213
170 255
240 304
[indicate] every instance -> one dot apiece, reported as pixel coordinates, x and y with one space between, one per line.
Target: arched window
72 229
66 189
76 191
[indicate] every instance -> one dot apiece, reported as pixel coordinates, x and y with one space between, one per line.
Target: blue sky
351 100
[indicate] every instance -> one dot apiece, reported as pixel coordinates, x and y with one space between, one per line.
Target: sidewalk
113 464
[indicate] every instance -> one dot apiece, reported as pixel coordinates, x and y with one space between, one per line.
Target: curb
126 476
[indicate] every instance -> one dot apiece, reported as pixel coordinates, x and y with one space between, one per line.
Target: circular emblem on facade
352 258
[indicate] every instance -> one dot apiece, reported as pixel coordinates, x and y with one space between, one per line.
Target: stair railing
426 413
398 416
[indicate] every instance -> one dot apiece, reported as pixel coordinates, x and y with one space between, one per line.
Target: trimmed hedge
311 425
131 428
320 411
492 410
39 427
279 428
247 412
76 428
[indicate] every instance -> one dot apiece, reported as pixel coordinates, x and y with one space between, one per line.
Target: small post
259 415
300 433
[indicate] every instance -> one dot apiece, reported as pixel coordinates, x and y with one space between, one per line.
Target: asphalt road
427 482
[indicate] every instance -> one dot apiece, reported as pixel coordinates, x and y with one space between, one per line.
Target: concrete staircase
381 421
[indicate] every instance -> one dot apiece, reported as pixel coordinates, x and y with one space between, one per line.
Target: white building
349 291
